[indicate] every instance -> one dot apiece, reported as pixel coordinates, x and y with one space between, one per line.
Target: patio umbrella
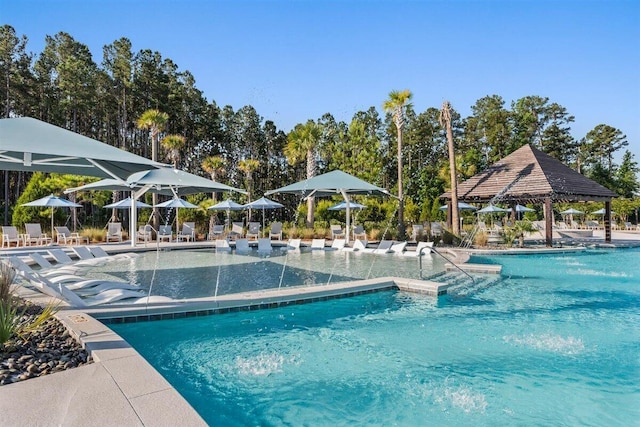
600 212
332 183
52 202
176 203
571 212
462 206
520 208
228 206
263 203
492 209
126 204
343 206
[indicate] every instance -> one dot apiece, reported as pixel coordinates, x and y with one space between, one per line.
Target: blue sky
296 60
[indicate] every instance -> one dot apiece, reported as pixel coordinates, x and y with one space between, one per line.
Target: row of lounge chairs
64 279
383 247
33 235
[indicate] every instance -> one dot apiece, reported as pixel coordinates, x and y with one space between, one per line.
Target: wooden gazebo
530 176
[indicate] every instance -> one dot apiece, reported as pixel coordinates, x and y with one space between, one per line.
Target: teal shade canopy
28 144
330 184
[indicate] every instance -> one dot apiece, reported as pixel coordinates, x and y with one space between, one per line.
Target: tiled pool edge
258 300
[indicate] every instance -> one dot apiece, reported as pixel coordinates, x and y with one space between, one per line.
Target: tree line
404 151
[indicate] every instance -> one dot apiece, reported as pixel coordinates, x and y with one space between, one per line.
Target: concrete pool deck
121 388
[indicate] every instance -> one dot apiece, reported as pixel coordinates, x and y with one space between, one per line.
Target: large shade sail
28 144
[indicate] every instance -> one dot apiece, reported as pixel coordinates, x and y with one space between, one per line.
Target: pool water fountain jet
155 268
286 254
386 230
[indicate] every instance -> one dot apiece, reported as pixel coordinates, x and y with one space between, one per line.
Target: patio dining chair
359 233
253 231
144 233
276 230
35 235
337 232
66 237
165 233
114 231
237 231
10 235
188 232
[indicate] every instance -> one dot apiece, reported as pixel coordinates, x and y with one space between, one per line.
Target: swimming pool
554 342
204 273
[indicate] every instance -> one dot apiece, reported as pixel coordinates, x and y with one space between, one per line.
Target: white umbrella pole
348 230
52 209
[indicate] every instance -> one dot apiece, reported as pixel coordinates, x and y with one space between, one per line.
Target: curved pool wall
554 342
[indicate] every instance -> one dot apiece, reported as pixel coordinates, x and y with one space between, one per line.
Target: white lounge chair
318 244
165 233
383 247
187 233
264 245
276 230
10 235
98 252
417 230
294 244
35 235
421 246
66 237
253 230
22 267
337 244
114 232
84 254
222 245
242 245
337 232
398 248
358 245
47 268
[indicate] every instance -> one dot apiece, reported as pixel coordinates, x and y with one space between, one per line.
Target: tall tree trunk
311 172
155 219
401 228
455 213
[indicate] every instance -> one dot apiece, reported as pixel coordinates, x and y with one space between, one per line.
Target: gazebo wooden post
607 221
449 215
548 222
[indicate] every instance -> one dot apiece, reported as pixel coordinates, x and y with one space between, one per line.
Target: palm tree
248 167
396 104
154 121
214 166
303 143
174 143
445 121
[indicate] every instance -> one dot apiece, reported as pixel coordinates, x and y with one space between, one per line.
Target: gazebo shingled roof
529 175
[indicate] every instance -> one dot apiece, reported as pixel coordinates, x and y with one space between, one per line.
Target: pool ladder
445 258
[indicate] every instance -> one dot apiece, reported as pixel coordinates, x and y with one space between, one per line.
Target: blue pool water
555 341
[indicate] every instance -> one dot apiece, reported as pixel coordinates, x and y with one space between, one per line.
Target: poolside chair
22 266
276 230
253 230
145 233
264 245
217 232
337 232
337 244
35 235
165 233
66 237
318 244
629 226
424 246
359 233
294 244
237 231
383 247
84 254
398 248
47 268
114 232
358 245
62 258
187 233
98 252
436 228
10 235
242 245
222 245
417 230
